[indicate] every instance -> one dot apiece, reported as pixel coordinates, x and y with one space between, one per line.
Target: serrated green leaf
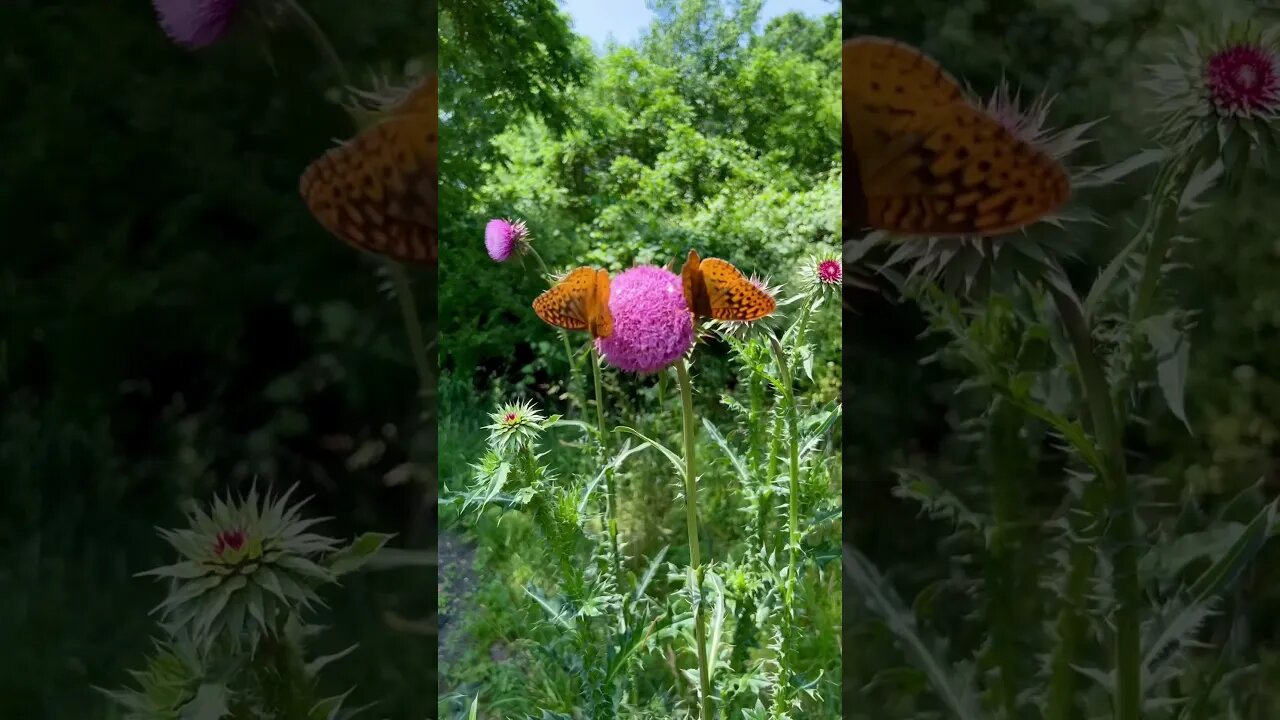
315 666
357 553
954 688
327 709
1223 573
1173 358
717 625
673 458
184 570
738 465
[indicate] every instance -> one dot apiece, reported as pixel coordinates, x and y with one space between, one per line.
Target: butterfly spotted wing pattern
378 191
715 289
578 302
928 161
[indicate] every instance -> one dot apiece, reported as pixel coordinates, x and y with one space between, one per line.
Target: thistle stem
793 502
1072 622
1122 520
611 490
1006 459
695 558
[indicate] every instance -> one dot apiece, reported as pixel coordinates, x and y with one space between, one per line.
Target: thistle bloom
830 272
1243 80
1221 90
515 424
196 23
502 238
244 562
652 325
228 540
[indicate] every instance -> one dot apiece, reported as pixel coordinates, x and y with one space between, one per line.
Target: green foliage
725 141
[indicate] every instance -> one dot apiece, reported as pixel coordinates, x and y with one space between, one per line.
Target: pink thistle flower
652 325
830 272
228 539
502 237
1243 79
196 23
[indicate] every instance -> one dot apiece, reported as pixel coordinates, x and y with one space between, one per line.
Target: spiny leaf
955 689
673 458
357 553
1173 357
1223 573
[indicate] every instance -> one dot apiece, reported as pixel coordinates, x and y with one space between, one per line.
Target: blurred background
174 324
1092 55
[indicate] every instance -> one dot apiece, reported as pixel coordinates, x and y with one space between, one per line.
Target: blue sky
624 19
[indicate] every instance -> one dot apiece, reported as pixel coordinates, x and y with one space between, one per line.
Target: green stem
611 490
282 676
564 337
1006 459
413 327
1072 622
793 505
695 559
1123 520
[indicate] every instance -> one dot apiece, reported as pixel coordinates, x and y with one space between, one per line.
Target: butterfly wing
601 319
854 202
928 161
378 192
731 295
569 303
695 286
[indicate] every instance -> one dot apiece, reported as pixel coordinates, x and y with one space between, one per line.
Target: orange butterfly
578 302
923 160
715 289
378 191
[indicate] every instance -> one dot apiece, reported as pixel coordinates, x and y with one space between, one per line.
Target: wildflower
652 325
830 272
1220 90
196 23
502 238
246 564
515 425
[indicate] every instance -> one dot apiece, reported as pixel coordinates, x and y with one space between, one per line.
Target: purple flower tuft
228 539
502 237
830 272
652 325
195 23
1243 78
